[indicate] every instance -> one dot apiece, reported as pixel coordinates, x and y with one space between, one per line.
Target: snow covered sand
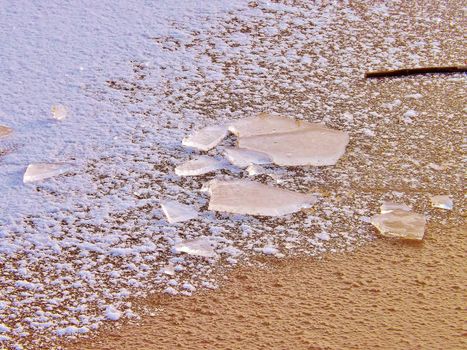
137 79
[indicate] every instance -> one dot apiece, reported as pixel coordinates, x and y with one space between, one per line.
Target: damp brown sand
389 294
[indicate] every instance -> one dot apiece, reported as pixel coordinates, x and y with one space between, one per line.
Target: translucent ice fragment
202 246
178 212
442 201
5 131
401 224
387 207
206 138
198 166
254 198
244 157
59 112
264 124
312 146
168 269
255 169
40 171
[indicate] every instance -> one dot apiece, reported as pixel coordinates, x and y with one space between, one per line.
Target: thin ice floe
255 198
199 166
202 246
178 212
244 157
59 112
442 202
206 138
401 224
5 131
41 171
387 207
313 146
265 124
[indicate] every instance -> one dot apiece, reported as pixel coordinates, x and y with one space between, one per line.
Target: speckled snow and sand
82 249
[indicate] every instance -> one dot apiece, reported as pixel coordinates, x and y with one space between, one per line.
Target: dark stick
414 71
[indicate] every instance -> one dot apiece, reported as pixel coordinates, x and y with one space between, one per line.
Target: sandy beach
89 257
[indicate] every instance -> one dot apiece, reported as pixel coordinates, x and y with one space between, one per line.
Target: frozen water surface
199 166
401 224
178 212
206 138
442 202
41 171
202 246
312 146
244 157
265 123
5 131
255 198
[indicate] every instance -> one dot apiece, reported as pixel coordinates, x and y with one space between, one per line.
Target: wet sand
388 295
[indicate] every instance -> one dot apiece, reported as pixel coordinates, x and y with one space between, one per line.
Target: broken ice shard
5 131
313 146
255 198
41 171
202 246
178 212
59 112
265 124
206 138
255 169
401 224
442 202
198 166
387 207
244 157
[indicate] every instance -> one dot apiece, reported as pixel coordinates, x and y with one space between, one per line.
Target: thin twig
414 71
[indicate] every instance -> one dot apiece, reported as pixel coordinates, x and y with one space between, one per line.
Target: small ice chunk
199 166
59 112
313 146
178 212
41 171
442 202
5 131
270 250
206 138
244 157
401 224
202 246
264 124
168 269
254 170
255 198
387 207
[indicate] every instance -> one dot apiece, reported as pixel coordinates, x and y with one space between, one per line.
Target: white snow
111 313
